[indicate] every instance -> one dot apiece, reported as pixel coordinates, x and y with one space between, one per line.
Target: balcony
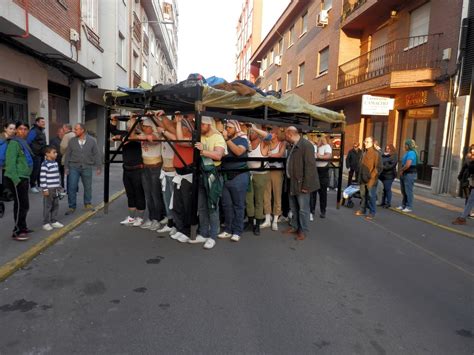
408 62
137 28
350 6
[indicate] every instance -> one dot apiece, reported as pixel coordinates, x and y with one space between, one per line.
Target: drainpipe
27 23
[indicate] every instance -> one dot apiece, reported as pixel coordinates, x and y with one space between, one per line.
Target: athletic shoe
275 225
146 225
128 220
323 215
199 239
359 213
173 231
400 208
164 221
154 225
70 211
57 225
47 227
138 222
311 217
175 236
164 229
459 221
268 221
235 238
209 244
35 190
369 217
21 237
407 210
224 235
88 207
182 238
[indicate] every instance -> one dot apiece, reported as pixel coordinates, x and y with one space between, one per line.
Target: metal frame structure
172 98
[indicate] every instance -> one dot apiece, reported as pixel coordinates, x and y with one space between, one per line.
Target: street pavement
394 285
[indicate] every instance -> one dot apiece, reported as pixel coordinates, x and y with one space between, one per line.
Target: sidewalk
10 249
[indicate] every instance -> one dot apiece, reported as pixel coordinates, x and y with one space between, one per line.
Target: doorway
421 124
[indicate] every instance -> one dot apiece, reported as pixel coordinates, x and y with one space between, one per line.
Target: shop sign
376 105
418 98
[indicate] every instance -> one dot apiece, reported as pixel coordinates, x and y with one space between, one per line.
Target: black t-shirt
131 150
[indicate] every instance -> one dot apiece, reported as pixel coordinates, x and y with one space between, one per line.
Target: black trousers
132 181
323 191
35 173
285 197
352 172
182 207
21 203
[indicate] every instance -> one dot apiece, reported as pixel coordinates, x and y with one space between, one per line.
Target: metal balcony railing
137 28
401 54
350 6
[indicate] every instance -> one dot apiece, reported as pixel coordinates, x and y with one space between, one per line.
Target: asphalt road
391 286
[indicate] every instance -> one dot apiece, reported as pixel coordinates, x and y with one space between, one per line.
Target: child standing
50 184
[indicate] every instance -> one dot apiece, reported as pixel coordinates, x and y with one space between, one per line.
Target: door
421 125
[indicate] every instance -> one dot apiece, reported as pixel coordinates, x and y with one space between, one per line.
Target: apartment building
59 56
333 52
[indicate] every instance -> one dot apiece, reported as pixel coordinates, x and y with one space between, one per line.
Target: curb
22 260
442 226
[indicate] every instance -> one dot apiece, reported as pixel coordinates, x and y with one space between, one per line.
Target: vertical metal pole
341 167
196 164
107 160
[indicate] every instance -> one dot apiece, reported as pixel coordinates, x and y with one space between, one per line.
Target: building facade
333 52
59 56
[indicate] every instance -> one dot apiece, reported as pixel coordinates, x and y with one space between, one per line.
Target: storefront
13 103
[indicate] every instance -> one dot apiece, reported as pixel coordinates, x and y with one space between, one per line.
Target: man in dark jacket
303 179
37 142
371 166
353 162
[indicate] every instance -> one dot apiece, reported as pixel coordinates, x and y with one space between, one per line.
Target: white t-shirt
324 149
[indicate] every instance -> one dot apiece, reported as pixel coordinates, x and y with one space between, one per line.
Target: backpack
3 151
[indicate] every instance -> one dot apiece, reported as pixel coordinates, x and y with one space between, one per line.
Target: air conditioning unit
73 35
323 18
277 60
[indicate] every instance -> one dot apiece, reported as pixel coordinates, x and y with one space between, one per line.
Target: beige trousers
274 185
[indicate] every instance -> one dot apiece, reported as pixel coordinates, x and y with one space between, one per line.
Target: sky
207 35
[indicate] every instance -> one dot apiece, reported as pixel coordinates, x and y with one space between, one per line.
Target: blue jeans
152 187
208 219
371 198
233 203
85 174
299 206
469 205
407 181
387 192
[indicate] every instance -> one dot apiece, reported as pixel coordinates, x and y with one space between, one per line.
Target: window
278 85
327 5
152 44
136 62
291 36
280 47
301 74
304 23
145 73
323 61
271 57
90 14
419 25
121 50
289 80
270 87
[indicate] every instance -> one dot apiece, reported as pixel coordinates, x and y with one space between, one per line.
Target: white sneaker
173 231
164 221
35 190
57 225
290 215
311 217
164 229
47 227
128 220
407 210
154 225
182 238
275 225
400 208
199 239
268 221
235 238
209 244
138 222
146 225
224 235
175 235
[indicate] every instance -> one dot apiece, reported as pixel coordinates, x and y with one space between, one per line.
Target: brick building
59 56
332 52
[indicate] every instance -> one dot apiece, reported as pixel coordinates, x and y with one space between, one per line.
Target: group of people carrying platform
158 157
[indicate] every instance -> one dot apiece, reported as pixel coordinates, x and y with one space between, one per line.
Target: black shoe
70 211
249 225
323 215
21 237
256 227
27 230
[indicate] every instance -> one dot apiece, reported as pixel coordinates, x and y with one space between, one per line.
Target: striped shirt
49 176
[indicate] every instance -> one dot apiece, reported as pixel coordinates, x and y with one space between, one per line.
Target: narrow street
393 285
